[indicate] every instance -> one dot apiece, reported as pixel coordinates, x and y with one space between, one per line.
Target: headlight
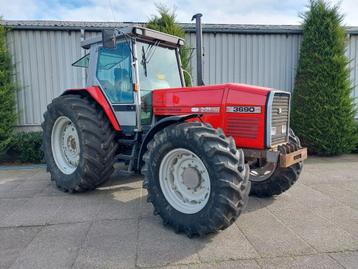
284 128
273 130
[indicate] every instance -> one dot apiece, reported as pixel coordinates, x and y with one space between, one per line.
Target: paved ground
313 225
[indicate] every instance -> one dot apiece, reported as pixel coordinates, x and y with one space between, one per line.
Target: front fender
157 127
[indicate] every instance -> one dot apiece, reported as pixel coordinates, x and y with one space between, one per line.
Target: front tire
196 178
277 179
78 143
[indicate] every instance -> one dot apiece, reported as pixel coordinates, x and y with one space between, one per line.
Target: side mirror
108 38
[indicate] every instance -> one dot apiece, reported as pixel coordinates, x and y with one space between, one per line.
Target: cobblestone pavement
313 225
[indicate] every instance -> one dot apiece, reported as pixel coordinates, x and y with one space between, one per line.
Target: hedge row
24 147
7 93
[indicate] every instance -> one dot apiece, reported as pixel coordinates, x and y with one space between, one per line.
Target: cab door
114 76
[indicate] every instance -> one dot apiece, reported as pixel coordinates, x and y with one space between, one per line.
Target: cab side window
114 73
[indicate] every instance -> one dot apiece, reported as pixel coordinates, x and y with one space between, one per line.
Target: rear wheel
268 179
196 178
78 143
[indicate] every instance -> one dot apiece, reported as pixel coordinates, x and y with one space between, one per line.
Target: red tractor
202 149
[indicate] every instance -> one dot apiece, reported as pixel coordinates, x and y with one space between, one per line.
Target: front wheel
196 178
268 179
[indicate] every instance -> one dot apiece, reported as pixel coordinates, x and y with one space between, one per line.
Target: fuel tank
239 109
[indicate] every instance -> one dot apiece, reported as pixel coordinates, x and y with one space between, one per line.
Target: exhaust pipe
199 48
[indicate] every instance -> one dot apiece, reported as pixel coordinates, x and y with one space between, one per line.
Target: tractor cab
127 64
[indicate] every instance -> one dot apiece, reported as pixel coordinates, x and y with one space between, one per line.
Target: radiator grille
243 127
280 117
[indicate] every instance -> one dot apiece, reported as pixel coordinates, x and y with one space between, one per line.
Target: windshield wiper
144 62
148 54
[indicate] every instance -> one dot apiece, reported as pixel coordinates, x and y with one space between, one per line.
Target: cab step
125 157
127 142
131 159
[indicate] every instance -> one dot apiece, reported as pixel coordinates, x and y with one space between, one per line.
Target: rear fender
97 95
157 127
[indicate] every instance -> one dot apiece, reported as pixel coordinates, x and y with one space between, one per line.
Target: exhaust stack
199 48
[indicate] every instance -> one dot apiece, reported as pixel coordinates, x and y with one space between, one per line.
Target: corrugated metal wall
259 59
352 54
43 63
43 68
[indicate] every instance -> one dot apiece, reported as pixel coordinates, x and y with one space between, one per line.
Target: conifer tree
166 23
322 106
7 93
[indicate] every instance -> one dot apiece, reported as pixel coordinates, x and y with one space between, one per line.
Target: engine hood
184 99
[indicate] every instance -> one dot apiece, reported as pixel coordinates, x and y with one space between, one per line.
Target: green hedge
25 148
7 93
322 105
356 148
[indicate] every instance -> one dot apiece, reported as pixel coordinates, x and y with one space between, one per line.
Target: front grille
242 127
280 114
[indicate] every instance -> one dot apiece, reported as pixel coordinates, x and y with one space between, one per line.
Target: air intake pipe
199 48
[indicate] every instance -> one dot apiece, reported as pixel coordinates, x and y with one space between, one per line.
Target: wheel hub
65 145
184 180
71 143
191 178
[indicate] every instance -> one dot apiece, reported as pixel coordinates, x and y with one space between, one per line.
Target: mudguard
96 93
157 127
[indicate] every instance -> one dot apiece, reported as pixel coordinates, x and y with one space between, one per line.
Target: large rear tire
277 179
196 178
78 143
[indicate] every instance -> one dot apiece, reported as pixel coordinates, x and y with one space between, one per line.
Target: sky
214 11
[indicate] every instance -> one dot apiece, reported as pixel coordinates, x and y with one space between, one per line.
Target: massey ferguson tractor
202 150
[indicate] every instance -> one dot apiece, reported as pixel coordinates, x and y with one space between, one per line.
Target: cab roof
142 33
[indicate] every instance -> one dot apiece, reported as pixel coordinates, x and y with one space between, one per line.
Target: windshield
158 67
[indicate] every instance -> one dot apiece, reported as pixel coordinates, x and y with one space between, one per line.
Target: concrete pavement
313 225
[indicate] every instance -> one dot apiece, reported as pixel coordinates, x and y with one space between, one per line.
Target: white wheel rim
184 181
65 145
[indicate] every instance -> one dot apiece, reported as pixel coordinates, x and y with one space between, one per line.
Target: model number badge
244 109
